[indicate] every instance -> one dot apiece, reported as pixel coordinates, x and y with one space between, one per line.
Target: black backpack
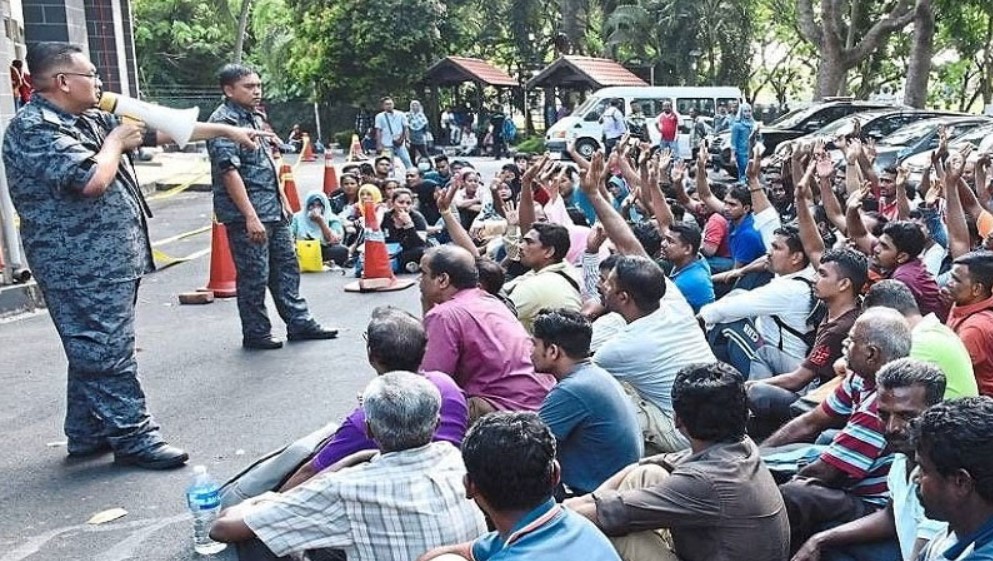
818 311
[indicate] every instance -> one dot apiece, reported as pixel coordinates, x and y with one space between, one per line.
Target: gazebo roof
454 70
588 72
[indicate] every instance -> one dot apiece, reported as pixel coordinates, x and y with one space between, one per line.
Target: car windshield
845 125
977 137
585 106
909 134
793 118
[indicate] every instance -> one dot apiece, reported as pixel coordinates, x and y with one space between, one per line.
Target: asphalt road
224 405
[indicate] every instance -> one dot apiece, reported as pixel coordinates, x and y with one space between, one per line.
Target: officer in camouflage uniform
247 199
83 224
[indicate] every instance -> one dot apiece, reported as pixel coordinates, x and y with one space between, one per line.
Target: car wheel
586 147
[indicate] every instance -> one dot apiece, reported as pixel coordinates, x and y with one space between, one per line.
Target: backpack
509 129
818 311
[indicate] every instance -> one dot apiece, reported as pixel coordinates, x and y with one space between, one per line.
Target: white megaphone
177 123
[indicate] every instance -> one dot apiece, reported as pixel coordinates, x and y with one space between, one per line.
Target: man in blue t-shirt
516 494
690 272
594 423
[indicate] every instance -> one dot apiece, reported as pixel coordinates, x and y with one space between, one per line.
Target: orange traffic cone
330 175
222 271
307 153
377 273
355 153
290 187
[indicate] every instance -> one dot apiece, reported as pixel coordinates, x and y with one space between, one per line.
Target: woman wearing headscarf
418 122
316 222
741 132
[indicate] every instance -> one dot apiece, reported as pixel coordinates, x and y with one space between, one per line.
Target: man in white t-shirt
613 123
392 132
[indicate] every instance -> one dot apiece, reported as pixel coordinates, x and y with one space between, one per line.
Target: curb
20 299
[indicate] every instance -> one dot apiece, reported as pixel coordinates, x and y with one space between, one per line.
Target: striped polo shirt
859 449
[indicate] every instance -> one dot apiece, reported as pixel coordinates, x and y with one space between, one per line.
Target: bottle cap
199 470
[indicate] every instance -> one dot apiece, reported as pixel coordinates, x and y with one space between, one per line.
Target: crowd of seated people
614 362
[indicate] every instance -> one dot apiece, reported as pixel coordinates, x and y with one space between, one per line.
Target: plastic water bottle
204 500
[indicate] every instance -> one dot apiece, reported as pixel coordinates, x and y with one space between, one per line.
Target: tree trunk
919 68
831 73
572 27
239 41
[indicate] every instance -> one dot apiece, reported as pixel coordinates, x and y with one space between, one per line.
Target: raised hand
678 172
665 160
801 190
934 193
901 175
854 151
595 239
532 171
754 166
856 199
590 179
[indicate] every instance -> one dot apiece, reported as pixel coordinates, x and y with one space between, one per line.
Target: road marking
144 529
177 189
184 235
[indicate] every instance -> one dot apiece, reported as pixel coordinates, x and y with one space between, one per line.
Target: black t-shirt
407 237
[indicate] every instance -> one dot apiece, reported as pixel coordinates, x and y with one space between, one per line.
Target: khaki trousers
650 545
658 428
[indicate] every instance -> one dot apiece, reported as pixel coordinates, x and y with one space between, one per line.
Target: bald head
456 262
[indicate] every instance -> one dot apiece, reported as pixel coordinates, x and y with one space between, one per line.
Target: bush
344 138
533 144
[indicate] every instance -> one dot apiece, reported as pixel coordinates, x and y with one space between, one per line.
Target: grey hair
909 372
402 410
887 330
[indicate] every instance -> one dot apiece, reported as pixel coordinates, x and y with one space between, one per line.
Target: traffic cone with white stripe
377 272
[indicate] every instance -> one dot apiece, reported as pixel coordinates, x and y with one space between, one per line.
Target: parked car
920 136
794 124
876 124
980 137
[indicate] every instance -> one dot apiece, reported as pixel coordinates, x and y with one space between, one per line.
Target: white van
583 125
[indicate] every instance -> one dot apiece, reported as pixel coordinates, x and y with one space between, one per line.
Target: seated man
931 340
474 338
847 479
717 499
971 289
395 340
402 502
516 494
954 449
841 274
594 423
764 329
690 271
551 282
906 388
651 349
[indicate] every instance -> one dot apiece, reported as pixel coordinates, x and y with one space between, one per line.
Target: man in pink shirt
475 338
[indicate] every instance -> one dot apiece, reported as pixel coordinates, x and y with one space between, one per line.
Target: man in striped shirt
848 478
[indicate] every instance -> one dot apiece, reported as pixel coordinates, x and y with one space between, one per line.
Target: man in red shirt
668 127
971 288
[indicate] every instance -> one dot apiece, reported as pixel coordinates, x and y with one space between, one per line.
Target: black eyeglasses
90 75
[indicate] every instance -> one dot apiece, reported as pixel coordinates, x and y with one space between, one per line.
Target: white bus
583 125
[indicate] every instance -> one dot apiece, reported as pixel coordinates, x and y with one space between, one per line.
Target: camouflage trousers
272 264
104 402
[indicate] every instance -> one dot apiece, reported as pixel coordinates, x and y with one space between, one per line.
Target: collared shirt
255 166
595 425
475 339
398 505
651 350
71 240
977 546
613 123
547 288
351 436
720 504
547 533
694 282
786 296
908 513
858 450
922 284
390 126
974 325
746 241
935 342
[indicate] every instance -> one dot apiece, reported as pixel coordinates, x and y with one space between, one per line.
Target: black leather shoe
316 332
262 344
90 451
159 456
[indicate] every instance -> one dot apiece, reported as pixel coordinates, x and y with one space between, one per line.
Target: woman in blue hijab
315 221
